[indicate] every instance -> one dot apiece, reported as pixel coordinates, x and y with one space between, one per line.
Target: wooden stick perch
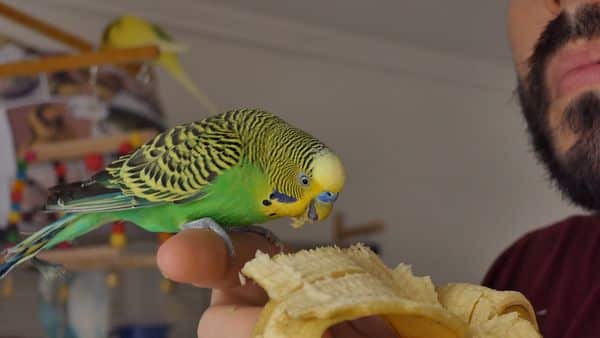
65 150
341 232
98 257
44 28
79 61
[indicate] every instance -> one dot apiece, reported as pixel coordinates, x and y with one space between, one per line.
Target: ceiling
465 27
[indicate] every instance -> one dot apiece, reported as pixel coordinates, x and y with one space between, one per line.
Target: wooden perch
79 61
72 149
98 257
85 59
46 29
341 232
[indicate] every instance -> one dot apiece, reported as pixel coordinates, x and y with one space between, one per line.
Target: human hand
199 257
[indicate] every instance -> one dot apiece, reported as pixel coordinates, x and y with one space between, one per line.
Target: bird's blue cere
327 197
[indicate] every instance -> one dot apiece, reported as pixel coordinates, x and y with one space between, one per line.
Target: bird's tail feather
33 244
173 67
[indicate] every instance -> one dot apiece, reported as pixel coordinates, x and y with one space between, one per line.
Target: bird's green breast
233 198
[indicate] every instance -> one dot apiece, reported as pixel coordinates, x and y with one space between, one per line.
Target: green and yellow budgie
131 31
225 172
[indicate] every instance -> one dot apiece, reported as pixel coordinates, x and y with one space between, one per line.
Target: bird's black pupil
305 180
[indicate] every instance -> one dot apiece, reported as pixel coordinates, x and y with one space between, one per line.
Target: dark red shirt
558 269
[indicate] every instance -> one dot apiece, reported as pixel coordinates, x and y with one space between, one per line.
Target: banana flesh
312 290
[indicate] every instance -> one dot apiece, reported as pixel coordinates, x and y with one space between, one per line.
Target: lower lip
579 78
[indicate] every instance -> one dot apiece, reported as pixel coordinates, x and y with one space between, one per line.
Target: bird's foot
49 271
266 233
209 223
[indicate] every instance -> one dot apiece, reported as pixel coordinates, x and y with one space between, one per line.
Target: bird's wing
173 167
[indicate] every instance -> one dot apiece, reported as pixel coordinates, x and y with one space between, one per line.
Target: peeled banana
312 290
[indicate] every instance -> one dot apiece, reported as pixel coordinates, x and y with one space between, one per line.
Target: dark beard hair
577 175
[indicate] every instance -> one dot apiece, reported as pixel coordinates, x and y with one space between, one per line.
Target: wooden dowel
65 150
79 61
340 232
363 229
44 28
98 257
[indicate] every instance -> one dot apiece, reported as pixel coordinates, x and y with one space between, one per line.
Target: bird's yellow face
323 184
310 192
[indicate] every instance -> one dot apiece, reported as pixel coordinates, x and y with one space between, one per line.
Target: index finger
199 257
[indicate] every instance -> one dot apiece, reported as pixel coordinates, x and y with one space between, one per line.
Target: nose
327 197
570 6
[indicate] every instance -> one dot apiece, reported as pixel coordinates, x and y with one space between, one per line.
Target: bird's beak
320 207
320 211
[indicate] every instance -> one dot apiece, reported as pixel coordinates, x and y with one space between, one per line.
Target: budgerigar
225 172
131 31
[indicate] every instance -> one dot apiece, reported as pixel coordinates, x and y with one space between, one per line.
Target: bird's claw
266 233
209 223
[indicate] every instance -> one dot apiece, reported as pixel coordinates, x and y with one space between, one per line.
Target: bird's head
304 177
128 31
322 184
133 31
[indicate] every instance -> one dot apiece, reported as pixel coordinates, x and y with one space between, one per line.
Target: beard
576 172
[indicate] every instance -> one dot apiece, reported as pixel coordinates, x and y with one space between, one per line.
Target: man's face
556 52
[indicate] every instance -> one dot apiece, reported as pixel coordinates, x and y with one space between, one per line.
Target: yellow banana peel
312 290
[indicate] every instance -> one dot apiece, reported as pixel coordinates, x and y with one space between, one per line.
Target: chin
577 151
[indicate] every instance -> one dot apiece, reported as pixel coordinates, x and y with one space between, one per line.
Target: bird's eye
304 180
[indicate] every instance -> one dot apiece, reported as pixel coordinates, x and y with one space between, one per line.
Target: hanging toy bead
64 245
135 139
18 185
60 169
118 227
163 236
21 165
117 236
112 280
118 240
21 175
94 162
14 217
30 156
61 172
12 236
63 293
125 148
16 196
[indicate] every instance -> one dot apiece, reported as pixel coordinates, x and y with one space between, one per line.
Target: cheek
563 137
526 20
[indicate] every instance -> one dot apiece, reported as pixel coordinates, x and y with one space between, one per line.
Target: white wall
434 144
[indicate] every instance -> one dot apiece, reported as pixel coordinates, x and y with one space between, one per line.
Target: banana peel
476 304
312 290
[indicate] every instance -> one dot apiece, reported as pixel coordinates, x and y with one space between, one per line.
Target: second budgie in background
131 31
225 172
